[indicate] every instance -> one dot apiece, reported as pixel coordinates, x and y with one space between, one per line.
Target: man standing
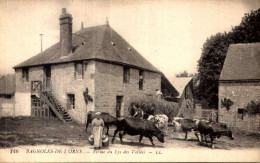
97 131
158 94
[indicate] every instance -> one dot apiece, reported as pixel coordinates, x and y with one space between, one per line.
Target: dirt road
39 133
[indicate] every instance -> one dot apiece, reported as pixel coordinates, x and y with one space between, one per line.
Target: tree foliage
214 53
253 107
182 74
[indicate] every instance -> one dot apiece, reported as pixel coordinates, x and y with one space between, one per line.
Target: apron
97 131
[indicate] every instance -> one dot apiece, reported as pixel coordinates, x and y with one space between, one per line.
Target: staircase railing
56 107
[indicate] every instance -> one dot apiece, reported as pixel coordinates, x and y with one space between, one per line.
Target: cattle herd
157 126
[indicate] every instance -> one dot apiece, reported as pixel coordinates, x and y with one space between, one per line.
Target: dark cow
213 130
107 118
185 125
135 126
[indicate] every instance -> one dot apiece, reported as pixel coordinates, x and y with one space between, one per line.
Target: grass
35 130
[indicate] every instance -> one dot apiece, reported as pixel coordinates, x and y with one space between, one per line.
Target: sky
169 34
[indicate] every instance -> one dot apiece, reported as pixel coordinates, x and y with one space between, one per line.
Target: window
25 74
126 75
79 72
70 101
141 80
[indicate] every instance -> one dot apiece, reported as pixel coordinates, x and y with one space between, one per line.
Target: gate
210 115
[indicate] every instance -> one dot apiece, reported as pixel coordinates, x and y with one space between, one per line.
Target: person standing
158 94
98 125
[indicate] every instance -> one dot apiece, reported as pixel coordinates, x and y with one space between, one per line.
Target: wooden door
119 101
38 106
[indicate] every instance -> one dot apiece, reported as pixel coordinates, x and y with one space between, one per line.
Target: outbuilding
239 88
7 92
185 99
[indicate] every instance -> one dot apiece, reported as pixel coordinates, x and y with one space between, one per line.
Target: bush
226 103
253 107
153 106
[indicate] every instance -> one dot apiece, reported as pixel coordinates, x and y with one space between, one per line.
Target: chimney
65 33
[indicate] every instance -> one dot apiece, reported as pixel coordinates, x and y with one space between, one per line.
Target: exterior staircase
56 107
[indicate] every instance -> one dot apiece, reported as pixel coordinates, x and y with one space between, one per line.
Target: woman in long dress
98 125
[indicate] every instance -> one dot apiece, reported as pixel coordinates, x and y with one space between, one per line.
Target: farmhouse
239 86
7 92
91 69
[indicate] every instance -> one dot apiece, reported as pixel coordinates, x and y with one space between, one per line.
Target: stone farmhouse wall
63 82
23 90
241 94
104 82
109 84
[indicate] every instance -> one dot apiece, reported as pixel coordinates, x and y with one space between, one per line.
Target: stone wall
64 82
104 82
109 84
186 103
35 74
23 90
241 94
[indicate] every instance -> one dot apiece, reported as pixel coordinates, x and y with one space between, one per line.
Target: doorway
119 101
38 106
47 78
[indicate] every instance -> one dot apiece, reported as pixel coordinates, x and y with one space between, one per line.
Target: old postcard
129 80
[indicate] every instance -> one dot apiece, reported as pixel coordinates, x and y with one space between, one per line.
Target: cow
160 120
185 125
214 130
136 126
107 118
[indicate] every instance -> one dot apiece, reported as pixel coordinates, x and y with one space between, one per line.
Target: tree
249 29
214 53
182 74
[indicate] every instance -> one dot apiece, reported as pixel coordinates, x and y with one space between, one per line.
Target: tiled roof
242 62
100 42
180 83
7 84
